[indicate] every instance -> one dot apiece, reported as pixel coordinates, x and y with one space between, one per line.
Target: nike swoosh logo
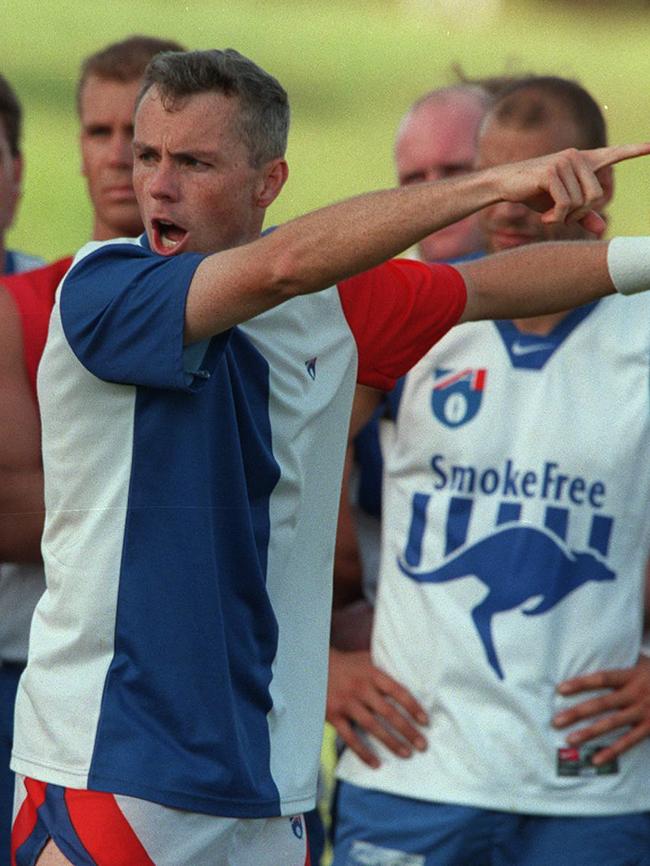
523 349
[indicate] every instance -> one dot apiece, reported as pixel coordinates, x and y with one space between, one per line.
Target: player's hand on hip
625 707
362 699
564 187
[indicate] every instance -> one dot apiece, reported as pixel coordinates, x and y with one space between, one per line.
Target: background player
480 599
436 139
205 482
106 93
11 173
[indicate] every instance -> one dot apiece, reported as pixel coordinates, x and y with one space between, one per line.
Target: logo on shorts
457 396
297 826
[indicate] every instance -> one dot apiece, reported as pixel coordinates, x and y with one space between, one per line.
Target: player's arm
21 477
625 706
508 285
347 561
326 246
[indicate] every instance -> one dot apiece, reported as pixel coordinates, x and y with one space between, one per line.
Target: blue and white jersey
515 538
179 652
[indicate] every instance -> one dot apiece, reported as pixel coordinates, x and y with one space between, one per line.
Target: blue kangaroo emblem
552 571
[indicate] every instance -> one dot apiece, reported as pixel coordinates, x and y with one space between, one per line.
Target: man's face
436 141
506 224
106 113
10 174
196 188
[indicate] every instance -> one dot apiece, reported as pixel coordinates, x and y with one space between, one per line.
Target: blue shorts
377 829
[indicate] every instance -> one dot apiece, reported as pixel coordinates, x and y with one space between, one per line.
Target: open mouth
168 237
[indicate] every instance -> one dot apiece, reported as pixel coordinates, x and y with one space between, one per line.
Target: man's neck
541 326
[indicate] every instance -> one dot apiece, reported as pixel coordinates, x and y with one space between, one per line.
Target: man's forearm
324 247
536 279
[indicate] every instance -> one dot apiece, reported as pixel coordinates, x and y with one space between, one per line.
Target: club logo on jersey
297 827
457 396
311 367
551 571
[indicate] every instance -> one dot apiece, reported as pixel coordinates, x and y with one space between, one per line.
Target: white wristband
628 262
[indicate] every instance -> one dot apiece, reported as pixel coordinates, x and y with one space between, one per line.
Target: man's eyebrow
195 152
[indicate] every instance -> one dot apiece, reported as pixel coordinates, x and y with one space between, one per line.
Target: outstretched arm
536 279
328 245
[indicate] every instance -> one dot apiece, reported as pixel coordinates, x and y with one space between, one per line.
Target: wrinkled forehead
201 119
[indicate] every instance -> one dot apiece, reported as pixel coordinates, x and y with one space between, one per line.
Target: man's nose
163 183
121 153
506 212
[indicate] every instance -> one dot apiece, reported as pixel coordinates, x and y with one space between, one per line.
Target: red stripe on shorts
103 830
27 815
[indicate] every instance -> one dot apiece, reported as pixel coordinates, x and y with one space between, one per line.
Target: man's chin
121 222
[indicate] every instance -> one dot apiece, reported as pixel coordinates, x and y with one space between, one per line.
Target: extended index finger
600 157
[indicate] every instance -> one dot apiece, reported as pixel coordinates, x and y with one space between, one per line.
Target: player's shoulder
112 248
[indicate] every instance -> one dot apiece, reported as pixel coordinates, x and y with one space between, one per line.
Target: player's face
437 141
192 175
10 174
507 225
106 113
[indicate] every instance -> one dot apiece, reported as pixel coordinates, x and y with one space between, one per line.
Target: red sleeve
33 293
396 312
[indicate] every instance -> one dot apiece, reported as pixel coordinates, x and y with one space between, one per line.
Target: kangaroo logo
553 572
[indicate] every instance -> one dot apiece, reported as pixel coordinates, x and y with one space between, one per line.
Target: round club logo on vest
456 396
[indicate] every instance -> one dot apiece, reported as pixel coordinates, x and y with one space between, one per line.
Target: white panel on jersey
309 368
82 430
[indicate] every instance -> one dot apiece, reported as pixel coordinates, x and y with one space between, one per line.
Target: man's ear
18 172
273 178
17 186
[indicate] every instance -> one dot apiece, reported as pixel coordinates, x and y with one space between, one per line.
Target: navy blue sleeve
123 314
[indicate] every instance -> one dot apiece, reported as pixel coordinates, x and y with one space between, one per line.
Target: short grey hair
263 102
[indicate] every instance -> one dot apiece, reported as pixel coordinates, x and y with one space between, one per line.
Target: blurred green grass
350 70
